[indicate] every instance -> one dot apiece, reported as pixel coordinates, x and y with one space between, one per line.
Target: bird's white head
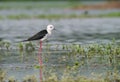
50 28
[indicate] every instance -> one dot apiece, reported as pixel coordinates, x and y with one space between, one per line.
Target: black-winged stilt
42 35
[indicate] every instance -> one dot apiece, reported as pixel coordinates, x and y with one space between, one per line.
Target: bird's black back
37 36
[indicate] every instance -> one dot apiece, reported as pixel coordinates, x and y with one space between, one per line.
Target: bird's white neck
49 31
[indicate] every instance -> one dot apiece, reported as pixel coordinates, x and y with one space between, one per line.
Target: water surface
75 31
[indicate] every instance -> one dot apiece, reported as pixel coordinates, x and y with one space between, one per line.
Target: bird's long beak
54 29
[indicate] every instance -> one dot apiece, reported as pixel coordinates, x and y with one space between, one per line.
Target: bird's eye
51 27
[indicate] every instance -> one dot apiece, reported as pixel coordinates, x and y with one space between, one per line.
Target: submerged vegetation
71 58
4 45
66 77
99 49
109 52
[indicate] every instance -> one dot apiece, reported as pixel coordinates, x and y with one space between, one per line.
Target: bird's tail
21 41
24 40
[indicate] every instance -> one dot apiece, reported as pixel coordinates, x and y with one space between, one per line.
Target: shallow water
78 31
55 61
68 30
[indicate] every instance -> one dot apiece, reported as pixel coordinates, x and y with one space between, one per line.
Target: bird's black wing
37 36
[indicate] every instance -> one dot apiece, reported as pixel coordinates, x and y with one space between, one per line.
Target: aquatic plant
30 78
76 55
29 47
12 79
21 47
2 75
66 77
4 45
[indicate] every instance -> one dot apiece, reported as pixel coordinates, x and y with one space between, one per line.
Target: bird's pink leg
40 61
40 56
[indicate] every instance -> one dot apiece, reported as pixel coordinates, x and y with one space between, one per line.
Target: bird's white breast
45 37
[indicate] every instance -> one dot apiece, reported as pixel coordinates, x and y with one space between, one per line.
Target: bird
42 35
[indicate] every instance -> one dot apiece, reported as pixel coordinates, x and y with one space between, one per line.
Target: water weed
75 57
2 75
5 45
